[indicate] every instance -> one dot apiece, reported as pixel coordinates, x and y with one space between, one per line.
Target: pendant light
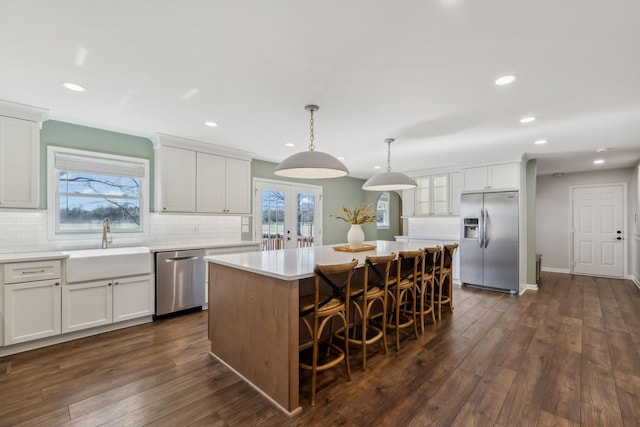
388 181
311 164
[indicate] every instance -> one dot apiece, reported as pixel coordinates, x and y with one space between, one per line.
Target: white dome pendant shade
389 181
311 164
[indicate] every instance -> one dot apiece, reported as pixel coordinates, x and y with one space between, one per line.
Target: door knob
618 238
619 232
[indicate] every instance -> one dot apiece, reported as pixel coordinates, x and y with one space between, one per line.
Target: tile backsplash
26 231
446 227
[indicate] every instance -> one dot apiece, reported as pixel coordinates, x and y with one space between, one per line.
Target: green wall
336 193
85 138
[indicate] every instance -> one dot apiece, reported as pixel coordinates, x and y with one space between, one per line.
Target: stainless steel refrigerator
489 241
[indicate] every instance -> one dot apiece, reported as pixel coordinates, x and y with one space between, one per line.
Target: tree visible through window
91 188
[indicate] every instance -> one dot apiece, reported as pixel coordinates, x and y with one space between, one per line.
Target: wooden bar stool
444 279
426 285
364 296
402 291
324 309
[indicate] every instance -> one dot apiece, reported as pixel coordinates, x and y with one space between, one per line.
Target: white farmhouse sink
94 264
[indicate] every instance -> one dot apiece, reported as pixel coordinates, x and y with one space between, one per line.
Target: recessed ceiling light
505 80
340 158
290 144
376 167
598 161
540 142
527 119
211 124
74 87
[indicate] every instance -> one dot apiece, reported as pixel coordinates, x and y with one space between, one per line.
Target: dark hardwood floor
566 355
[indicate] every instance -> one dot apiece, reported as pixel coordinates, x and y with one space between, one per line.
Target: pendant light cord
311 145
389 154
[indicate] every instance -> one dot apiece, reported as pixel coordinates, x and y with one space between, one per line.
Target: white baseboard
634 279
556 270
529 287
57 339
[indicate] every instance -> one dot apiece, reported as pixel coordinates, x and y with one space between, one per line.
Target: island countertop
298 263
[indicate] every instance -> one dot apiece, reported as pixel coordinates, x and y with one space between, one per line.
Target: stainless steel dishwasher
179 281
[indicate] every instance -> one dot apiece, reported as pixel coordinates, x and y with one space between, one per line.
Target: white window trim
388 202
52 192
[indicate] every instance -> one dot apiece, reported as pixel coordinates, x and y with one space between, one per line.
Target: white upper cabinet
436 194
210 174
19 155
494 177
178 180
238 185
197 177
221 184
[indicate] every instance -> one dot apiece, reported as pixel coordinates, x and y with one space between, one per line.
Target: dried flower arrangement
360 215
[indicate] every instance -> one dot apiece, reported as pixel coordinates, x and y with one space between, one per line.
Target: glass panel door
288 215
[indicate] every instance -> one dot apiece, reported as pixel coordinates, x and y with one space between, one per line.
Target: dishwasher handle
182 258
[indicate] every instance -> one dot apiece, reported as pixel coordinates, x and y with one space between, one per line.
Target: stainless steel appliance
180 280
489 241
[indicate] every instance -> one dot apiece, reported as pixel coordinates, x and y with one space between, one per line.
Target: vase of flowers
356 217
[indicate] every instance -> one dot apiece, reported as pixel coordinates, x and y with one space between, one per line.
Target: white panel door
133 297
178 180
87 305
598 233
31 311
237 185
19 161
210 183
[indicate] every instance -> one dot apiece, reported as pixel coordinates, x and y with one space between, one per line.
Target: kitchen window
383 211
87 187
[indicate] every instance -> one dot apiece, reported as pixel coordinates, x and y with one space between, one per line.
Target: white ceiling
419 71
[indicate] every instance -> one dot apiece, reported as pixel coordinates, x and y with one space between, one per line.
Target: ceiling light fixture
598 162
540 142
211 124
290 144
311 164
505 80
388 181
74 87
528 119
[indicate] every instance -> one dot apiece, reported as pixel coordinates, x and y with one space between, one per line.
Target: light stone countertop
31 256
293 264
11 257
213 245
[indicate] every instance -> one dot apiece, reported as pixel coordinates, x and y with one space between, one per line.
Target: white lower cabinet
89 304
31 310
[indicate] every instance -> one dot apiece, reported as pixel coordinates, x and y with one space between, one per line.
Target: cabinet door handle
109 284
116 283
33 271
57 283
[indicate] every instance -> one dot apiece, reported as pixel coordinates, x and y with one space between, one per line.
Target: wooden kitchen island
253 312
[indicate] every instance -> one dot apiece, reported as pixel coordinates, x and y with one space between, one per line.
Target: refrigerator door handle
481 227
485 228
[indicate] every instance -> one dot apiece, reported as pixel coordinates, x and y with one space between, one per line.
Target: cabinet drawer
21 272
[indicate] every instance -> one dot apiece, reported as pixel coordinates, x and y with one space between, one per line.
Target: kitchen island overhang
254 312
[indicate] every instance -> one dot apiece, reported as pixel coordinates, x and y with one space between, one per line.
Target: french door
598 230
287 215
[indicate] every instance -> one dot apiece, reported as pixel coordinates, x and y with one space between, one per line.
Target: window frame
387 202
53 194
